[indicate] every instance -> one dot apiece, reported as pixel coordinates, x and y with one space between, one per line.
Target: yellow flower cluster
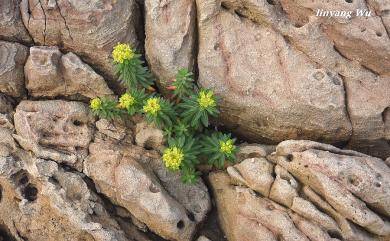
206 99
126 101
96 103
122 52
152 106
172 158
227 146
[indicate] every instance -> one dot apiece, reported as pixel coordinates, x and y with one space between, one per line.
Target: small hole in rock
335 234
379 34
362 30
77 123
270 207
54 181
23 180
349 1
306 166
353 180
377 184
191 216
290 157
271 2
30 192
153 188
180 224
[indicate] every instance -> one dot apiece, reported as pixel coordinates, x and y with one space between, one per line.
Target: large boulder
136 179
41 201
254 68
55 129
88 28
11 25
49 73
12 59
305 191
356 185
170 37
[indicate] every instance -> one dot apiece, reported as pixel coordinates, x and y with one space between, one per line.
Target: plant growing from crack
184 117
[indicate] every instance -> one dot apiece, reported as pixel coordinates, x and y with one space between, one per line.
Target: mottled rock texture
87 28
11 25
136 179
12 59
170 37
55 129
305 191
49 73
283 73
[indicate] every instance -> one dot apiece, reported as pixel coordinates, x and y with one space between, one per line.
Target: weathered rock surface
249 53
135 179
356 186
57 130
148 136
49 73
305 191
170 37
12 59
39 200
254 69
88 28
11 25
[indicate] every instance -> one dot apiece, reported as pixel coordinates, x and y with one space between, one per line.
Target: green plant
183 85
184 118
219 147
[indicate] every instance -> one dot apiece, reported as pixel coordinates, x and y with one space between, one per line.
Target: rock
314 191
51 74
239 50
284 190
149 136
309 211
170 37
356 186
311 230
195 198
245 216
335 76
134 178
113 129
41 201
256 173
88 29
388 161
56 129
12 60
203 238
11 25
253 150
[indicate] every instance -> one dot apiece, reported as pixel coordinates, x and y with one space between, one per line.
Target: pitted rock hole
30 192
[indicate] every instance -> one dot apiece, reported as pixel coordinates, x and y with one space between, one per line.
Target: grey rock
12 59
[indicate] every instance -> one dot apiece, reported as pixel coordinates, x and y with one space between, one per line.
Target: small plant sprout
159 111
219 148
184 123
131 69
198 107
183 85
105 107
132 101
